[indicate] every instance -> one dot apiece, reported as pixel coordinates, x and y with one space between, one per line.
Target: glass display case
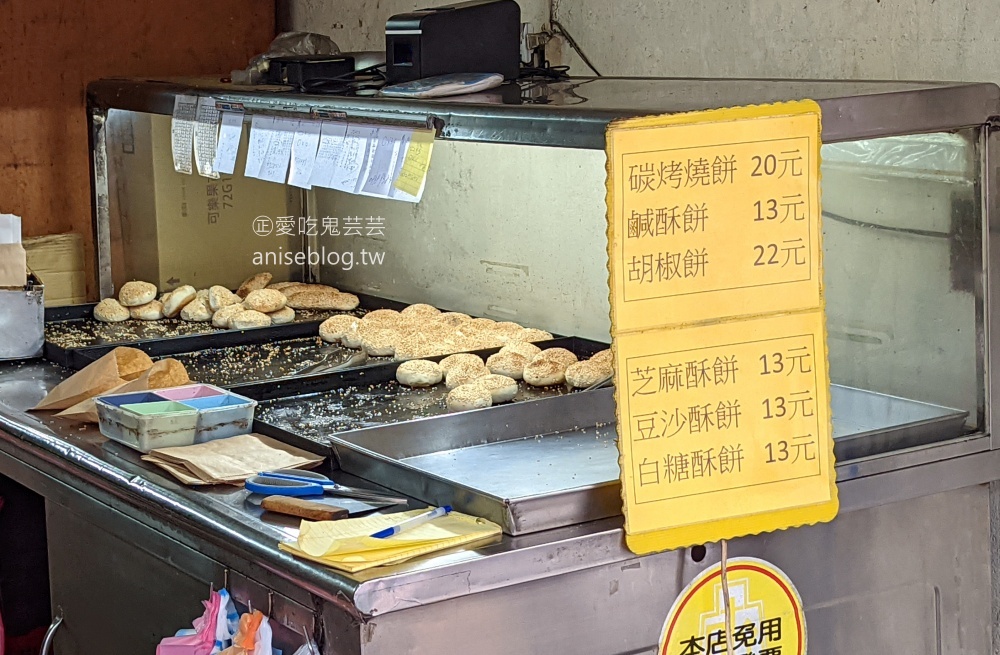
512 223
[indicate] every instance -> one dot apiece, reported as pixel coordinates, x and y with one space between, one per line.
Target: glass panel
903 265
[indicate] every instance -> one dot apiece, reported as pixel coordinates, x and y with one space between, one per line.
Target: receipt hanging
260 139
279 151
229 142
413 171
206 136
331 142
304 149
182 131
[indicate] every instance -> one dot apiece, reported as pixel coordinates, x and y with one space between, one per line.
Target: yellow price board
718 326
766 610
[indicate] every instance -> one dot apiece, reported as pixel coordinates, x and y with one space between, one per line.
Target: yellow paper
346 544
417 161
718 324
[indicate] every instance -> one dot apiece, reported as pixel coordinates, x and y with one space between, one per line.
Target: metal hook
270 602
309 642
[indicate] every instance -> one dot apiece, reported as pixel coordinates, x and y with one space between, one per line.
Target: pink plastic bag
200 643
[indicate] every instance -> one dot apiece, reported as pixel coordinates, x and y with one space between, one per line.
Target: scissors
293 482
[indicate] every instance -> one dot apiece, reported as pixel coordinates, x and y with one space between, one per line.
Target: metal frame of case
557 590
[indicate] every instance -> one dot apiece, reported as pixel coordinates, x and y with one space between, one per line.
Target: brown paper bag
112 370
164 373
232 460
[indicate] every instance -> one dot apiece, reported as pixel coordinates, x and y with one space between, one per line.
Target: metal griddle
73 338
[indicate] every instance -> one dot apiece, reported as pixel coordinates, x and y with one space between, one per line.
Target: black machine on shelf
480 36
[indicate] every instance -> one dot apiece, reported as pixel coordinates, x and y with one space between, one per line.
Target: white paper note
331 142
279 151
206 136
10 229
353 156
304 150
229 142
390 144
182 131
260 139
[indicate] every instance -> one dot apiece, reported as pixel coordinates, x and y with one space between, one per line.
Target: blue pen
412 523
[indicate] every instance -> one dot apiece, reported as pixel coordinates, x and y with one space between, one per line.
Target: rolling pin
305 509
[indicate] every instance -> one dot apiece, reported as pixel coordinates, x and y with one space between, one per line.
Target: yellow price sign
718 327
766 611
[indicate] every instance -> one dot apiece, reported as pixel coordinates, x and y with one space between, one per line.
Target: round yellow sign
767 616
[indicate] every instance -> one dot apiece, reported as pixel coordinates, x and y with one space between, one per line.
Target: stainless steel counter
66 461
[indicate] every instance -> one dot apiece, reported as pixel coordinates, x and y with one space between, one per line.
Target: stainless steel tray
553 462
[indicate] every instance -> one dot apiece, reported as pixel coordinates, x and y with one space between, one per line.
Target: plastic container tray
178 416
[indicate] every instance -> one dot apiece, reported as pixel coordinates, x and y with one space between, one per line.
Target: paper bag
232 460
164 373
13 261
114 369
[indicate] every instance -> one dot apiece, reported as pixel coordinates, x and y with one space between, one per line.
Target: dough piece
265 300
323 299
333 329
545 372
179 297
110 310
507 363
452 319
506 330
249 318
253 283
548 367
382 318
468 396
559 355
219 297
223 318
419 373
481 323
282 316
299 287
414 345
603 357
352 336
461 359
379 342
464 373
501 387
532 335
196 311
133 294
526 349
583 374
151 311
203 294
278 286
421 309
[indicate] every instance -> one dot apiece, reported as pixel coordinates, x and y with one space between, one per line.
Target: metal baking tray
311 409
73 338
866 423
553 462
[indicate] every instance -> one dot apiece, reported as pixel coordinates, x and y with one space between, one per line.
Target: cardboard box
170 229
59 260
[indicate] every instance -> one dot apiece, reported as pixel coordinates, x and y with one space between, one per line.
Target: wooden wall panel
50 49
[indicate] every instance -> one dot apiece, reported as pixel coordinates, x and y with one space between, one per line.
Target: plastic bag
263 645
286 44
199 641
226 623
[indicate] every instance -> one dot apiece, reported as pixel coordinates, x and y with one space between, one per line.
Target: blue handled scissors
293 482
